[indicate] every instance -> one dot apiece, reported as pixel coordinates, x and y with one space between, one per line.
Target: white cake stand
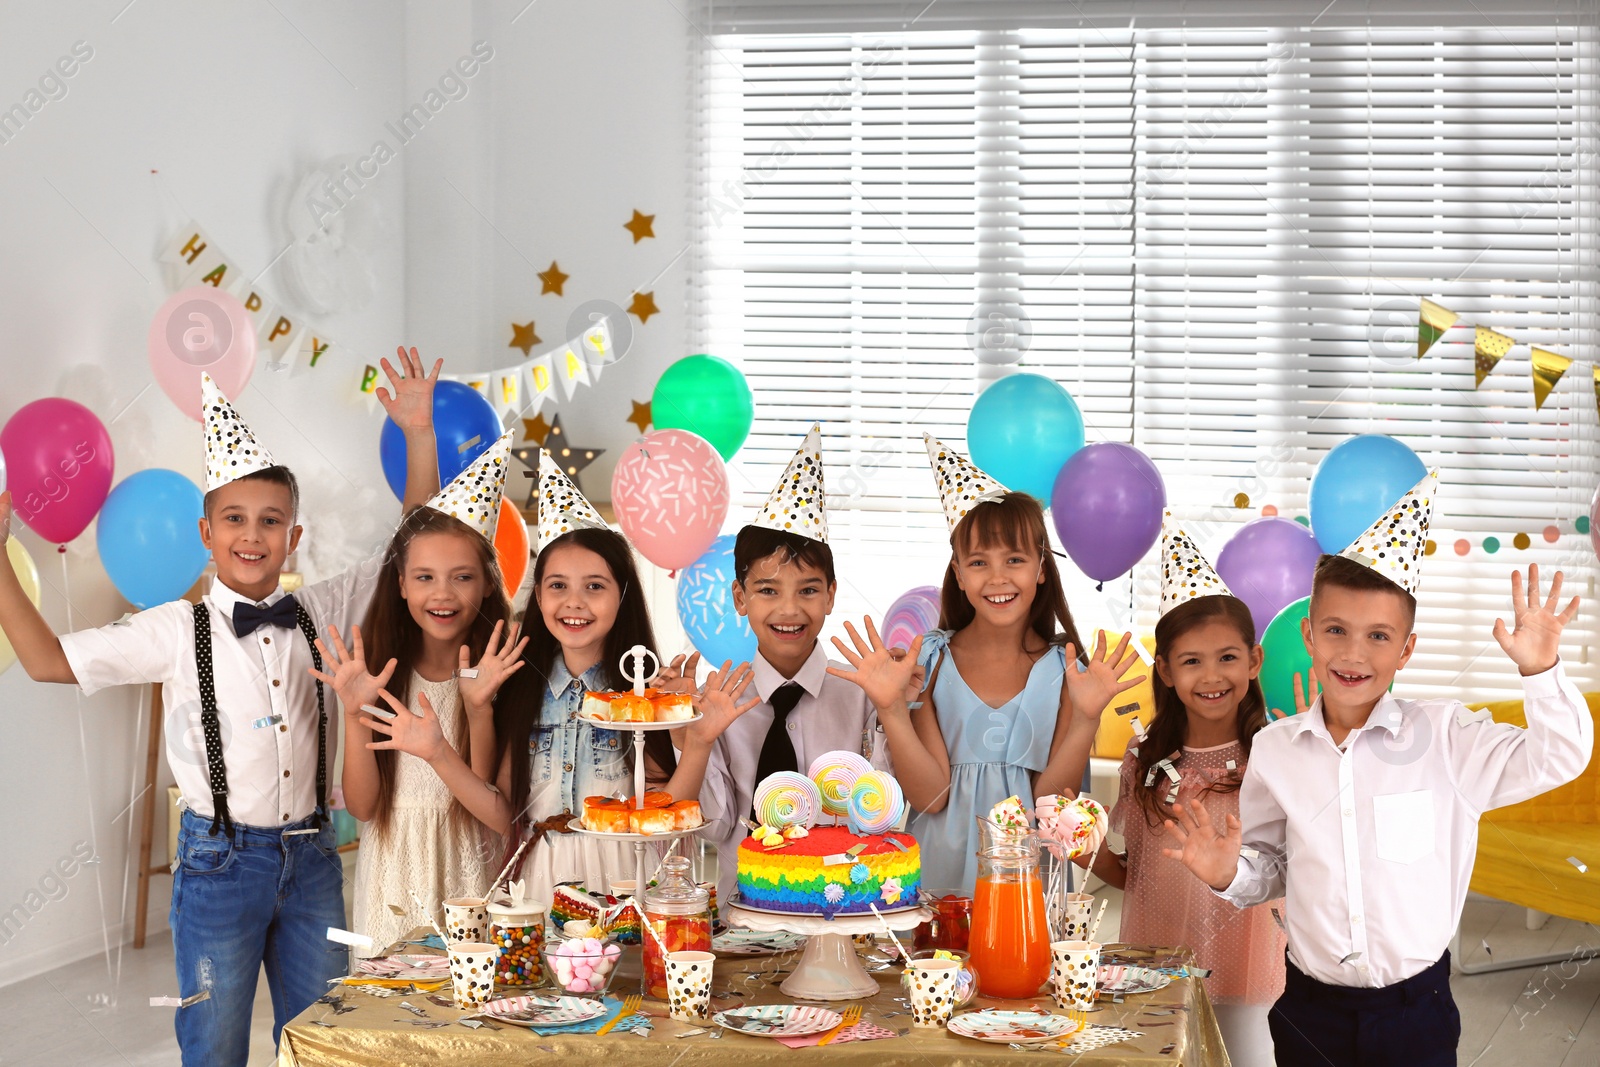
829 968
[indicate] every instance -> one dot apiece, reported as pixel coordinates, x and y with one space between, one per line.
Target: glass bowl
966 978
581 967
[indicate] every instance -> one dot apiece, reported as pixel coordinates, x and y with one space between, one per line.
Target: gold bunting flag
1432 321
1487 348
1547 371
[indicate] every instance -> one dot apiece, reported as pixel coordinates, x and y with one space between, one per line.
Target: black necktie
777 751
247 618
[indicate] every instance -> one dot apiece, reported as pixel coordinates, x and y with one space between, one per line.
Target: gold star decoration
536 429
641 226
552 280
641 415
523 337
572 458
644 305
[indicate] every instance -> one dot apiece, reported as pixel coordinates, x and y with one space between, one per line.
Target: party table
1177 1026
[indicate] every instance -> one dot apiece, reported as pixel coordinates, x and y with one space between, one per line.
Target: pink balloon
670 492
201 330
59 462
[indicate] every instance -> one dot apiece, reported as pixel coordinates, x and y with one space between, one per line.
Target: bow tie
247 618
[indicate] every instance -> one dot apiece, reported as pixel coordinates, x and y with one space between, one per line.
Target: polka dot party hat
473 496
1186 574
562 505
797 503
962 486
1394 545
231 449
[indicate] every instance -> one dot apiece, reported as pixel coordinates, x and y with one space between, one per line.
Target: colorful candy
1076 825
583 965
1010 817
835 774
876 803
787 798
518 963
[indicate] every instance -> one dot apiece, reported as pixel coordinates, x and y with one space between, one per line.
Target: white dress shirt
1372 843
830 714
266 697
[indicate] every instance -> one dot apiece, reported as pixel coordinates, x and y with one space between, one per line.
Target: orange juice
1010 943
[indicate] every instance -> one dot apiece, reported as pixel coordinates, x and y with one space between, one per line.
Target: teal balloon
148 534
1283 654
706 396
1022 429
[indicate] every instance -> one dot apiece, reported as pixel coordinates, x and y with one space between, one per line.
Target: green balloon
706 396
1283 654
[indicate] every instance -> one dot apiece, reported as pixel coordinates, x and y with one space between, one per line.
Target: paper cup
472 973
933 991
622 887
1074 971
466 919
1077 911
689 985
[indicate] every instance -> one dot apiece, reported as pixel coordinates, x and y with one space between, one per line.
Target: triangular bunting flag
231 449
1432 321
962 486
1186 574
562 505
473 496
1547 371
1394 545
797 504
1487 348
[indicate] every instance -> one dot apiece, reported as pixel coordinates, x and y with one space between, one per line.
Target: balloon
1268 564
149 537
706 396
705 607
59 462
1022 429
28 576
1594 521
511 546
201 329
1283 655
670 492
912 615
1116 728
464 425
1106 506
1356 482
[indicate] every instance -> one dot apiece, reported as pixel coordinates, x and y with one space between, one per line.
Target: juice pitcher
1010 938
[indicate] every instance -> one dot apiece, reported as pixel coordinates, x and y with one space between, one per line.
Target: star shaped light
641 226
523 337
641 415
572 458
644 305
552 280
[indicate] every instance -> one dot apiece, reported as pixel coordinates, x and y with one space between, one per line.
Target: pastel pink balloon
670 492
201 330
59 462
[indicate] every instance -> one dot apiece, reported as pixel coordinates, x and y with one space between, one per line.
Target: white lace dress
423 848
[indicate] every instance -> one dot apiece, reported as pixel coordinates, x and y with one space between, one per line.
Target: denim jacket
569 759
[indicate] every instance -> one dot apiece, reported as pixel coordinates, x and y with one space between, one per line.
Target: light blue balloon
705 607
148 534
1356 482
1022 429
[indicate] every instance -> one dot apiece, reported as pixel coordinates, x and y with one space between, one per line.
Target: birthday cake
791 864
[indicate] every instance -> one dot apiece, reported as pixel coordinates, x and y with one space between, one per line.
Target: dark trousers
1413 1023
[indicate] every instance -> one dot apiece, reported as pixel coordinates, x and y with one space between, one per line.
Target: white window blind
1215 235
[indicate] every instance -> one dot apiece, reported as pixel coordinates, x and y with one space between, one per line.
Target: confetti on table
345 937
1576 862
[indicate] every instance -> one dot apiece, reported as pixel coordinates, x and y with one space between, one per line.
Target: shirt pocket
611 755
1405 825
540 745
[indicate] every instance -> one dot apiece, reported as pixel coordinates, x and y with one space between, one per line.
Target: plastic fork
852 1015
630 1006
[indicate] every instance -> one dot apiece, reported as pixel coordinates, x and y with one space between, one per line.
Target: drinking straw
1094 927
905 959
515 856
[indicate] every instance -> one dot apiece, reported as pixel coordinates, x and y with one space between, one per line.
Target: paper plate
543 1011
1009 1027
777 1020
1126 980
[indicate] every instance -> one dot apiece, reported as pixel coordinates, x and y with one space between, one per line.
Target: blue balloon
460 415
1022 429
705 607
148 534
1356 482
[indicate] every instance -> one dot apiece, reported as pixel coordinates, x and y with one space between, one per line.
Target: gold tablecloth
379 1033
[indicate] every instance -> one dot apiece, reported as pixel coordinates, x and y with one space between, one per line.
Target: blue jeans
259 898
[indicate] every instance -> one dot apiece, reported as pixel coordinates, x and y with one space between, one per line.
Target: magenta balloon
1106 505
201 330
670 493
912 615
59 462
1268 564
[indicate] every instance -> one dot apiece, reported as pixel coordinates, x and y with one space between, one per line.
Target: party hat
797 503
562 505
473 496
1186 574
1394 545
962 486
231 449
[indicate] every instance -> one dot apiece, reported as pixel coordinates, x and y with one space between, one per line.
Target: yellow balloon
28 575
1111 739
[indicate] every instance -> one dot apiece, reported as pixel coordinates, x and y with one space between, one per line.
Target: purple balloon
1106 506
1268 565
912 615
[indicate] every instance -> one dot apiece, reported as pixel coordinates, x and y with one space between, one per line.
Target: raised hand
1302 699
1211 854
1534 641
478 684
350 678
5 517
420 735
677 676
410 405
884 674
719 705
1091 691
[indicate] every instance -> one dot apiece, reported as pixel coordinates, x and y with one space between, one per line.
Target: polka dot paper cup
1074 970
472 973
466 919
933 991
689 985
1076 912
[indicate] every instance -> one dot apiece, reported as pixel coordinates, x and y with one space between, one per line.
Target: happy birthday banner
523 388
1490 346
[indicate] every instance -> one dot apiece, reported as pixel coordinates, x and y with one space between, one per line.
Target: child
257 879
1363 812
591 610
1208 709
1000 714
440 608
784 584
